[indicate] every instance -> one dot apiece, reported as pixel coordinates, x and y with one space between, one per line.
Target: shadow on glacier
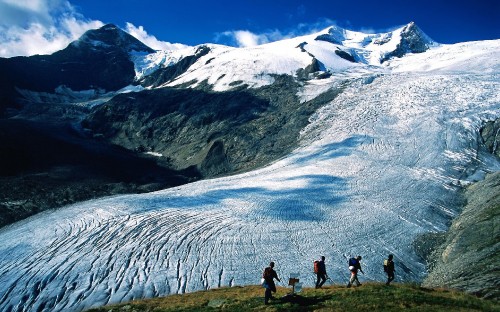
308 202
290 204
332 150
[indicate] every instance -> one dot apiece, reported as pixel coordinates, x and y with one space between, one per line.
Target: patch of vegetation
369 297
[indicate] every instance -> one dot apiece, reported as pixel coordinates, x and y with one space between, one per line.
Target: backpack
267 273
353 262
316 266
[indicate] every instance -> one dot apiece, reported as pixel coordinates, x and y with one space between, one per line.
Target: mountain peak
101 59
413 40
334 34
110 35
412 29
109 27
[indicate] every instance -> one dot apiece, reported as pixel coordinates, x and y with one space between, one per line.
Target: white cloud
246 38
29 27
150 40
24 11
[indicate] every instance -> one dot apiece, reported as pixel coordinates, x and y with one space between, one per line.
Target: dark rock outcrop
469 258
166 74
328 38
345 55
335 35
215 162
490 135
413 40
307 72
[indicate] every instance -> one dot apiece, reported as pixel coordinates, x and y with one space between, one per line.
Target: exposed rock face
490 134
309 71
169 73
469 259
216 161
345 55
413 40
219 133
328 38
335 35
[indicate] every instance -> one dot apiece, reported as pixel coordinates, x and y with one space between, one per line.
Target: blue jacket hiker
354 267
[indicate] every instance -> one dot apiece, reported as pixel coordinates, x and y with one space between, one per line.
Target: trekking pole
331 281
281 281
343 276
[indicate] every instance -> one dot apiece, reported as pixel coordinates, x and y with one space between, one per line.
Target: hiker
269 275
389 269
354 267
320 270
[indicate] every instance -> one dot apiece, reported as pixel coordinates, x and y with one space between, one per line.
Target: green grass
368 297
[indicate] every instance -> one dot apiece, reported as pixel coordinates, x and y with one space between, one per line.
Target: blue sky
40 26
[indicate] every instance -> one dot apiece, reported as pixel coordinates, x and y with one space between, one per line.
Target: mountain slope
48 166
469 258
252 127
382 159
263 81
100 59
45 160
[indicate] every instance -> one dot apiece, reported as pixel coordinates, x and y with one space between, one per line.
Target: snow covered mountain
391 138
330 51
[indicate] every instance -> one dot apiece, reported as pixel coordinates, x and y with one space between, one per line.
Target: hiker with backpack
354 267
269 275
389 269
320 270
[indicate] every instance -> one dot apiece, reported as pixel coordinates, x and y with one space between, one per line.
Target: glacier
376 167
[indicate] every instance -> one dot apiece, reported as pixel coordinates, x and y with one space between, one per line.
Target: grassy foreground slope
368 297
